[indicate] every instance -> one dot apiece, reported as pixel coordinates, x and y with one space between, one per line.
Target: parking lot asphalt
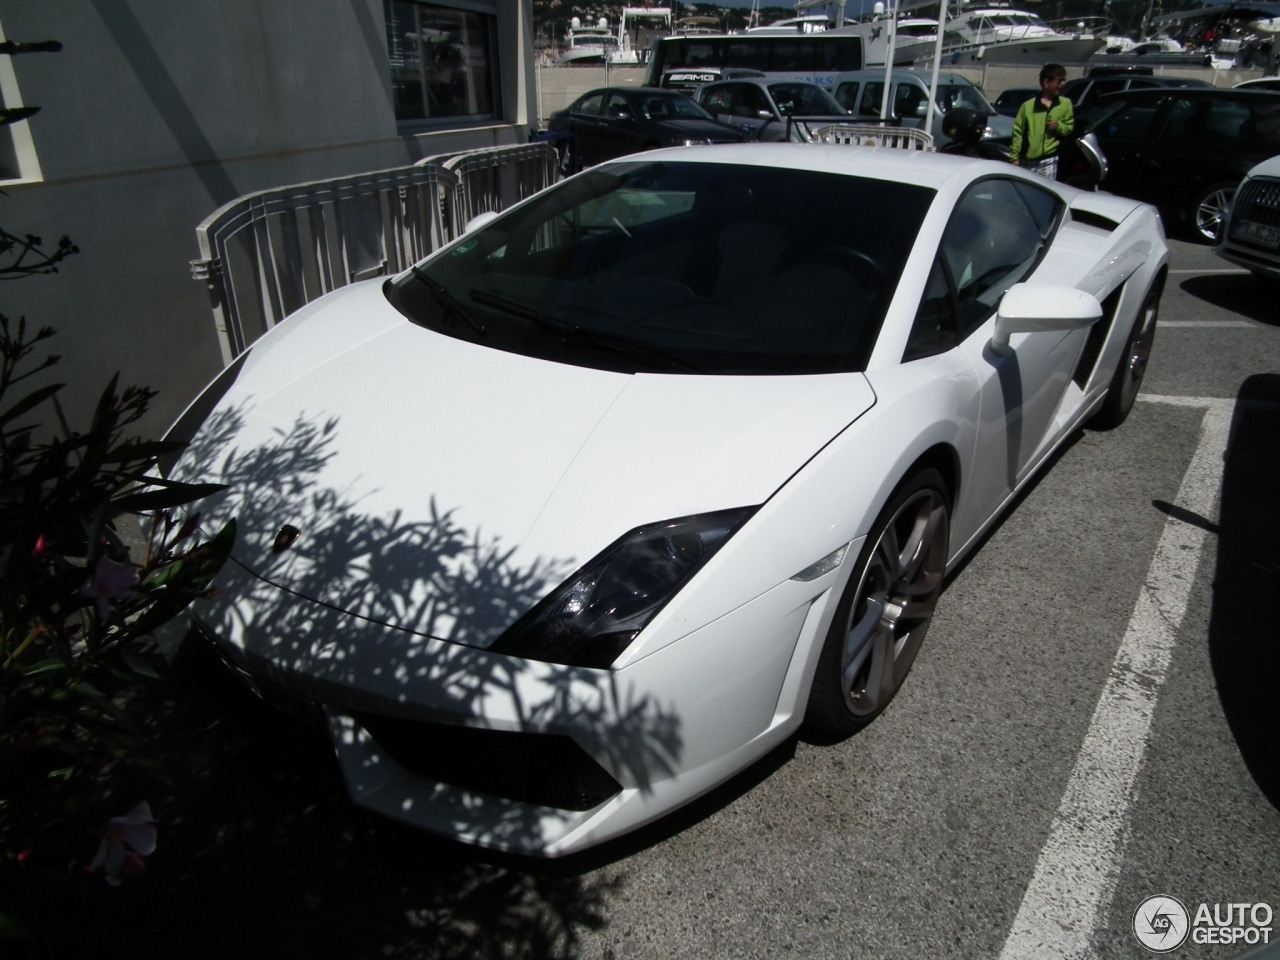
1014 801
1091 722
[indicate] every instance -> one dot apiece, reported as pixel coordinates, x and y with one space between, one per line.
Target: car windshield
680 267
672 106
957 96
804 100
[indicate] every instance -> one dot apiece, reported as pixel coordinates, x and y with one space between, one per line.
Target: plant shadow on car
258 838
1243 651
349 629
668 826
1245 294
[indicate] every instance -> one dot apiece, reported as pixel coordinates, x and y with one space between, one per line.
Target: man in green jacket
1041 125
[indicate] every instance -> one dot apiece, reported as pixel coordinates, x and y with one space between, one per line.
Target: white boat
909 32
587 46
911 35
637 29
808 23
999 35
699 27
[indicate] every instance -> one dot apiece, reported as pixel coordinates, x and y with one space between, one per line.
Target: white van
861 92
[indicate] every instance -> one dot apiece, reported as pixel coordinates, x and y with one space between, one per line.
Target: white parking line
1216 324
1075 875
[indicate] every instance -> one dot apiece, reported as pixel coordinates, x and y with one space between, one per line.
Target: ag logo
1161 923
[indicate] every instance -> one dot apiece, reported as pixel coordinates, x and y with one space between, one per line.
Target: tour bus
686 63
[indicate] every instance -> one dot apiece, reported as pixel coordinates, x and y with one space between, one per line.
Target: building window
18 160
443 62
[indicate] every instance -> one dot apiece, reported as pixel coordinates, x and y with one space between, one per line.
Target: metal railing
265 255
494 179
874 135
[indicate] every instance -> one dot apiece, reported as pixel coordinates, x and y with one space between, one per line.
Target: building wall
156 113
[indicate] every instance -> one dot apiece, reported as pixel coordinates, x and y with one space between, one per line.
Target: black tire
1127 380
885 610
1207 212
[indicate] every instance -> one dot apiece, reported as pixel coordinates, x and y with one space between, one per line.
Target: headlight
595 614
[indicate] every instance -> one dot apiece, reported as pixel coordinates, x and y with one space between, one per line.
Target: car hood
1000 127
418 468
693 128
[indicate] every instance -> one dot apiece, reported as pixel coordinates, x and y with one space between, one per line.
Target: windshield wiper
573 334
634 349
521 310
448 300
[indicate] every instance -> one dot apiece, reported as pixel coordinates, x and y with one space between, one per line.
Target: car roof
874 74
762 82
1207 93
927 169
649 91
1144 81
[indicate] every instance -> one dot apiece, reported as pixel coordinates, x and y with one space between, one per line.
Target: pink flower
127 840
40 548
110 581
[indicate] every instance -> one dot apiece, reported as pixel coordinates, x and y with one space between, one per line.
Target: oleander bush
77 610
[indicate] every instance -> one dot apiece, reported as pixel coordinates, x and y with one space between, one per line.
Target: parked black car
614 121
1260 83
1185 150
1010 100
1085 89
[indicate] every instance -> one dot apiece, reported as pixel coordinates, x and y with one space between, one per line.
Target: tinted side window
872 94
906 99
1044 208
590 105
935 328
1127 120
1073 90
788 97
617 107
847 95
994 239
1204 119
1107 86
717 99
750 100
1265 117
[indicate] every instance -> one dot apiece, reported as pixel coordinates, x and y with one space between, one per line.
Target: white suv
1250 235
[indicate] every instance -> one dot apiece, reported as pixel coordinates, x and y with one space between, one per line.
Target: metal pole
888 59
937 60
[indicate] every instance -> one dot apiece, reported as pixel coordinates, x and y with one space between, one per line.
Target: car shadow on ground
1249 296
261 855
1244 640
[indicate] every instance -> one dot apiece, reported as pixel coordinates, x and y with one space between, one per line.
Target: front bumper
527 756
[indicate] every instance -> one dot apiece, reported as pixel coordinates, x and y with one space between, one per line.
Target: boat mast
1146 21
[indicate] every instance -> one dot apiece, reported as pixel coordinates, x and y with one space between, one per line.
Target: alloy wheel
1211 211
894 603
